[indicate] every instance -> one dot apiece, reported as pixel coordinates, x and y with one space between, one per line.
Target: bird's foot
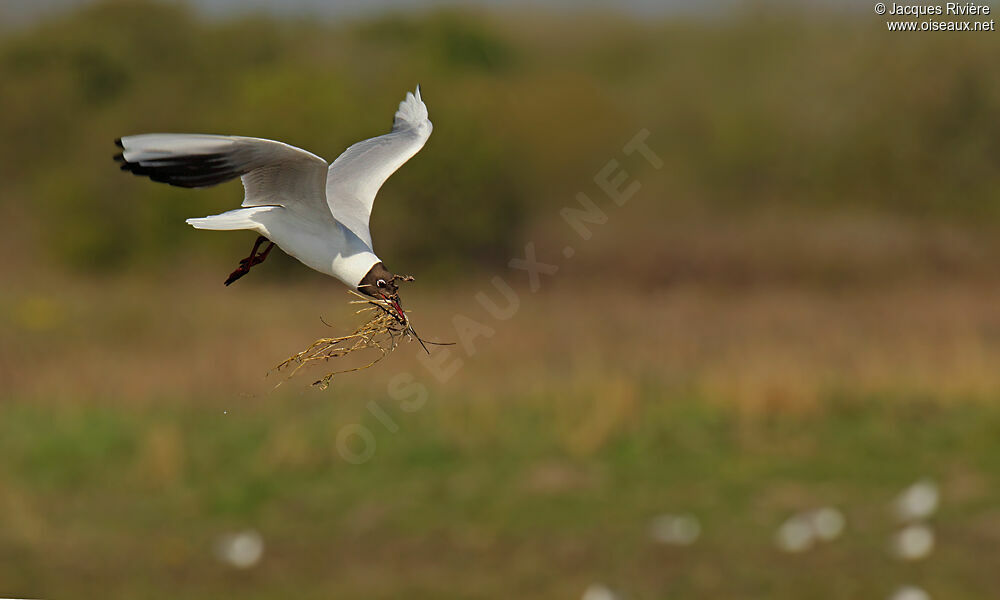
239 272
250 261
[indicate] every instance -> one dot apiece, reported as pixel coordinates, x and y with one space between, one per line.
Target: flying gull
314 211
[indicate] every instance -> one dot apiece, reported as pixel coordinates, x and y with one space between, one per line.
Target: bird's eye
380 283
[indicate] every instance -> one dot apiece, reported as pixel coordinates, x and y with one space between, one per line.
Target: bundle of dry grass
383 331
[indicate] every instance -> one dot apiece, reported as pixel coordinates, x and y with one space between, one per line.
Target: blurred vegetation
136 428
754 110
770 358
514 513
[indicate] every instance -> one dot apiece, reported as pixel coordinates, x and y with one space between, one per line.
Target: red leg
253 259
260 240
256 260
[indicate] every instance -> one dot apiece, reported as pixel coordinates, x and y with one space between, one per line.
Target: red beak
395 305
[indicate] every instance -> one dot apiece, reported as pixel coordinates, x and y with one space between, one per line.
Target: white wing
273 173
357 174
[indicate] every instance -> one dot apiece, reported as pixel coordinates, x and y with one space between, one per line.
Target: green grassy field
101 503
137 427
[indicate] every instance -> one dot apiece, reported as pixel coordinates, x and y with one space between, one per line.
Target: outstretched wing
273 173
357 174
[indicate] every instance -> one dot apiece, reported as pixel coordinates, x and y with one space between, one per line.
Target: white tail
241 218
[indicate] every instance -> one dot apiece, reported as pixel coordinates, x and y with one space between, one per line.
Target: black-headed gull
316 212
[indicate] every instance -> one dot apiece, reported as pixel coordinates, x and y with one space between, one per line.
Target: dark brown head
379 283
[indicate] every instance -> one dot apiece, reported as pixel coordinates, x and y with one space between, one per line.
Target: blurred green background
799 310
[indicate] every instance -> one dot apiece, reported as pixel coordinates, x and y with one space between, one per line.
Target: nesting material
383 331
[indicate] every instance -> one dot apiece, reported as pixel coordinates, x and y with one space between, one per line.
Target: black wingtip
191 171
118 142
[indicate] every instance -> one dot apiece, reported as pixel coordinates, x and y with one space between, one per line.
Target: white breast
325 246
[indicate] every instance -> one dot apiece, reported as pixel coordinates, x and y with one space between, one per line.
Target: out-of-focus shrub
750 111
